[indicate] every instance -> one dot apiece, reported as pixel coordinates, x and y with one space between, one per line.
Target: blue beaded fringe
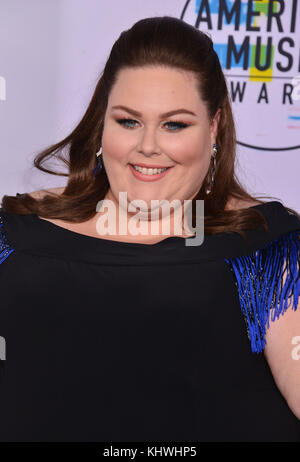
5 248
259 278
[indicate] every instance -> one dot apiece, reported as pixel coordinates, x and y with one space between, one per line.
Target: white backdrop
52 52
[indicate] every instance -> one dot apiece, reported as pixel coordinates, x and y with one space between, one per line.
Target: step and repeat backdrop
52 53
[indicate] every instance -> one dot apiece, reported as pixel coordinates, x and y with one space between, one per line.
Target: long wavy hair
162 41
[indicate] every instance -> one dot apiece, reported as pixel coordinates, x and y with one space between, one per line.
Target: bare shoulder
39 194
238 204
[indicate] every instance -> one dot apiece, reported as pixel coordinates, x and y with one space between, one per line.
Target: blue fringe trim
5 248
259 278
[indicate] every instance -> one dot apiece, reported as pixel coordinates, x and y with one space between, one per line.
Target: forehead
156 87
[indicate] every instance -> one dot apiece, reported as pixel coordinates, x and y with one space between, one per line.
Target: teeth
149 171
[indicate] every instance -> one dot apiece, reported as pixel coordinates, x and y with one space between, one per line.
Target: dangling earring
99 162
208 190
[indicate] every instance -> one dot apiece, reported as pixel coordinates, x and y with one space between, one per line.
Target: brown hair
162 41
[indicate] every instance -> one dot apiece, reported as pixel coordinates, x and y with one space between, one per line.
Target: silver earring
99 162
208 190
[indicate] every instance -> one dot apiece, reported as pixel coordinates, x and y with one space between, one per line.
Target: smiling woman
133 336
182 121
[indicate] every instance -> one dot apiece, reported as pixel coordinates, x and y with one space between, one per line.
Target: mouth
148 174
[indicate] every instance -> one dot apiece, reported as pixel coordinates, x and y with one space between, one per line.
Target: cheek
115 147
190 159
189 152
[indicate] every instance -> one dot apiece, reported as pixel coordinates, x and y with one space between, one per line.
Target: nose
148 144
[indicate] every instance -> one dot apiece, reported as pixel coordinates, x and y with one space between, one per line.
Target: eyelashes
124 121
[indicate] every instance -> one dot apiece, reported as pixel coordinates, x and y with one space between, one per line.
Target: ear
214 125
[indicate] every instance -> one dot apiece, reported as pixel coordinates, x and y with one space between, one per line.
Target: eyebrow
166 114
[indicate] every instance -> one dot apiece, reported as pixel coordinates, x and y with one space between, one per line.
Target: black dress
111 341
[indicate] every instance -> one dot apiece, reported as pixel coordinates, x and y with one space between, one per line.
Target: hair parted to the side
156 41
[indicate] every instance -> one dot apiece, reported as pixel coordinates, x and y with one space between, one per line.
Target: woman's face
183 142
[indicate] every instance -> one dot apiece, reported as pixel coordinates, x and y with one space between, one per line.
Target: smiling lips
149 174
150 166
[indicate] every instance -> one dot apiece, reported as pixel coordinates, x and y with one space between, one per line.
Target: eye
125 121
178 124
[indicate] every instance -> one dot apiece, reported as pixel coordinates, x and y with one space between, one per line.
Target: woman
140 337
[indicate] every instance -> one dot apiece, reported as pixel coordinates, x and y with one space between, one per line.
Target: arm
267 275
283 356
